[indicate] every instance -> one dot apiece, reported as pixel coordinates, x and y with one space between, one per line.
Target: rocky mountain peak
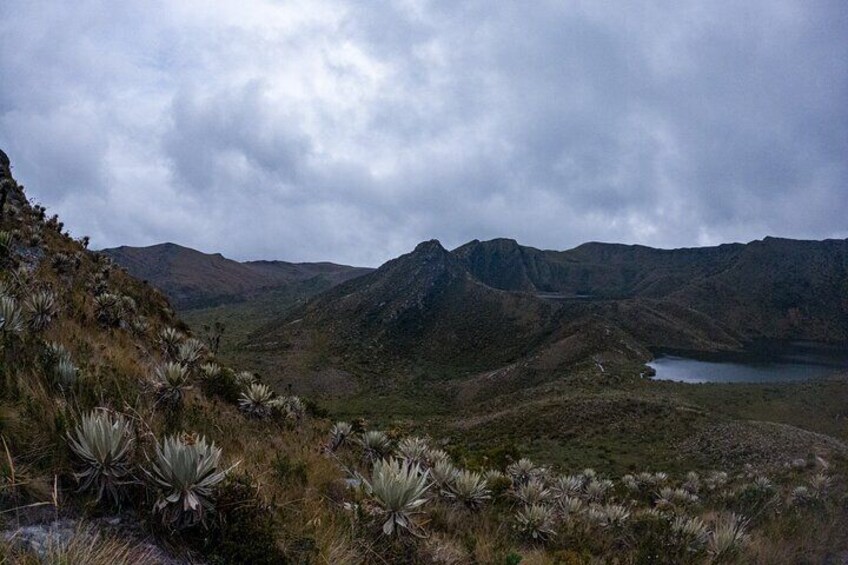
429 247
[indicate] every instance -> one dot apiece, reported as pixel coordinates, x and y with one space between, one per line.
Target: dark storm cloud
350 131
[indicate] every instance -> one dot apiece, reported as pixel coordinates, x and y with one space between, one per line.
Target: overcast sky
350 131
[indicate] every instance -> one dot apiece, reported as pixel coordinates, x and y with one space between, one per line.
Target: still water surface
771 362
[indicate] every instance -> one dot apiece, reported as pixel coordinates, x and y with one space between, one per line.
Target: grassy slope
565 412
243 318
115 368
615 422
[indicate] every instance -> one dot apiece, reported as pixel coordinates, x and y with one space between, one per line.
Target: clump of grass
103 442
728 537
90 547
246 531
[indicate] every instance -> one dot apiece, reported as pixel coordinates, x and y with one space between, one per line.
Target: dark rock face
5 165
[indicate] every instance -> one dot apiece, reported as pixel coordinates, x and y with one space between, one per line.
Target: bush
222 385
245 530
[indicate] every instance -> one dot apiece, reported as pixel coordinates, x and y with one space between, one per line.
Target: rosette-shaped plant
171 381
399 489
255 401
42 309
375 444
104 444
190 353
536 522
413 449
169 341
469 489
11 319
186 472
340 433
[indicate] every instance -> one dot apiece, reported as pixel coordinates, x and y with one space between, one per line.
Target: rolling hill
192 279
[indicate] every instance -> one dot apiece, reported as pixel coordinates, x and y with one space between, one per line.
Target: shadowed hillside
774 288
424 305
487 304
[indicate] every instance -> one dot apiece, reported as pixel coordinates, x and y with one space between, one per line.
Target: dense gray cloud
349 131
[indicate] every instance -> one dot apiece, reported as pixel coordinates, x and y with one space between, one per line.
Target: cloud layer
349 131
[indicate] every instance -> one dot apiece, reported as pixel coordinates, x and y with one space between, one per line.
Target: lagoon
760 363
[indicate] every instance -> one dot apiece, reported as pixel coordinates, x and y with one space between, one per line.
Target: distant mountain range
192 279
487 304
773 288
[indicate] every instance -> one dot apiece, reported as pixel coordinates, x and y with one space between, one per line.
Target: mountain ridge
195 279
489 303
